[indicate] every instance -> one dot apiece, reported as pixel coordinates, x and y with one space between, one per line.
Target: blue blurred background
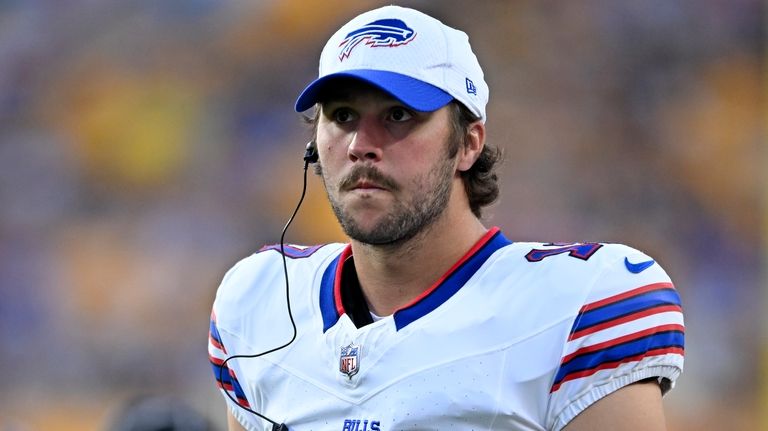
145 146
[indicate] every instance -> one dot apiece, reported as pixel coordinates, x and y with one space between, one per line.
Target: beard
406 218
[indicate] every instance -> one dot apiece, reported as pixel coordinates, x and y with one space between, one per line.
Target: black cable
309 157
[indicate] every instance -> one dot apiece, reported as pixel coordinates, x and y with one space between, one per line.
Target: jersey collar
331 306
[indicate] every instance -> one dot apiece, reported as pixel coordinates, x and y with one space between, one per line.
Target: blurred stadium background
145 146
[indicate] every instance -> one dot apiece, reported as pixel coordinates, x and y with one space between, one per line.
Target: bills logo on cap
380 33
349 361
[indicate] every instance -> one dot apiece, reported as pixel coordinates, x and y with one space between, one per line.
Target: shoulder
576 273
267 263
612 265
628 327
569 280
623 272
554 253
600 282
256 282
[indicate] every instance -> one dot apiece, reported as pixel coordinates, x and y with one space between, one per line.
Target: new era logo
471 89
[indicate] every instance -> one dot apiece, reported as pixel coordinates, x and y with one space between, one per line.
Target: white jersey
516 336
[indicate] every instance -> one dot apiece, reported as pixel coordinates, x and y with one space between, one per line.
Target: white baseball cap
416 58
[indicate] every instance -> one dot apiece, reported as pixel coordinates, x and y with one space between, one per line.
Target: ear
475 141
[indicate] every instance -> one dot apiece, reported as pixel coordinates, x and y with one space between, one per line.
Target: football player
427 319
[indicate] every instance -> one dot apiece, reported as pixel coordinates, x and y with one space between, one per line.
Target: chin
366 209
367 225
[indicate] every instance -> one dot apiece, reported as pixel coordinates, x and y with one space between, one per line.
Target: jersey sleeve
223 343
223 370
630 328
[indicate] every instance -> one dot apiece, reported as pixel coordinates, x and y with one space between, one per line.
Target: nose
367 141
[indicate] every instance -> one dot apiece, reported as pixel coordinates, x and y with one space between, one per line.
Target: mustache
369 173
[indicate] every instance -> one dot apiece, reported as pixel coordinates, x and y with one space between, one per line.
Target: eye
400 114
343 115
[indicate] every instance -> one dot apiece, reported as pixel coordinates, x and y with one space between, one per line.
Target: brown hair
480 181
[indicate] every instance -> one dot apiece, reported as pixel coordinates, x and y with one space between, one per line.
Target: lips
367 185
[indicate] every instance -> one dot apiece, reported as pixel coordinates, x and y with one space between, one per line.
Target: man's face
385 167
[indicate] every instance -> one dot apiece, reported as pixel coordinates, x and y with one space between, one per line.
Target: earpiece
310 155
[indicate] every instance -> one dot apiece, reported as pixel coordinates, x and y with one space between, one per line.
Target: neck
393 275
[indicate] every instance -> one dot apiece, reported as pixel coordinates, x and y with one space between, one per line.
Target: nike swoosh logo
637 268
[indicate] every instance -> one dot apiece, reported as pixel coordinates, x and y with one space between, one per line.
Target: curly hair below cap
480 181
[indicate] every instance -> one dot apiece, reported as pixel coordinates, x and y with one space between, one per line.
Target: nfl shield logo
349 361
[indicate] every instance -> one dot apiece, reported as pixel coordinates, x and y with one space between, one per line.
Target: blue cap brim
415 94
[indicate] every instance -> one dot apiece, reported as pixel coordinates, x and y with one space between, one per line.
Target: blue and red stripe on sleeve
625 307
632 342
217 355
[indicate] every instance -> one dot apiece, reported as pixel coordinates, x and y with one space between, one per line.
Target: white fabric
485 359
